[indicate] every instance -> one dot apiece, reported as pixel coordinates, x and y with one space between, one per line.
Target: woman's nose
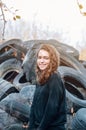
42 60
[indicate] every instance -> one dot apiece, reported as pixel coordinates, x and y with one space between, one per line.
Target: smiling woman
48 110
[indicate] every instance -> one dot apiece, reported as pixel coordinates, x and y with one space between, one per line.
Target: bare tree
81 6
4 9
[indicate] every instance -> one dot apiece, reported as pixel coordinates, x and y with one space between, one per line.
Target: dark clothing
48 110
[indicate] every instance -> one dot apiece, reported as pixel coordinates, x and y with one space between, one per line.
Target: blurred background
63 20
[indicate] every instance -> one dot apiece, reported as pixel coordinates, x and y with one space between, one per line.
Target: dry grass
83 54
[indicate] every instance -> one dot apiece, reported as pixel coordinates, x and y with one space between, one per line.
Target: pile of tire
17 80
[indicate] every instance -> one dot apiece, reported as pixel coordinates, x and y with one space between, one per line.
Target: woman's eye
47 58
39 57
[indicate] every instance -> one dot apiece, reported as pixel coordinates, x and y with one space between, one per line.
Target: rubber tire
20 81
16 45
19 110
66 48
7 55
71 75
6 88
16 127
74 98
79 120
10 65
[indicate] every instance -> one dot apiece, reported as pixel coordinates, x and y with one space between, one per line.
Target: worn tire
6 88
79 120
19 110
74 97
16 45
20 81
16 127
66 48
6 55
28 93
71 75
8 67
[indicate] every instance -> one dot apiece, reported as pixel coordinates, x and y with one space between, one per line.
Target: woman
48 110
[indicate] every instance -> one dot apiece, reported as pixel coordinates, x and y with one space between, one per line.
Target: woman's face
43 59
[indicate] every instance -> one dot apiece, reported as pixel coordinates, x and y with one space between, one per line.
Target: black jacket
48 110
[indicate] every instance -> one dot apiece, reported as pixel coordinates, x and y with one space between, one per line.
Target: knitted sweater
48 109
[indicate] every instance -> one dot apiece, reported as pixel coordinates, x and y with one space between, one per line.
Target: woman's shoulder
55 75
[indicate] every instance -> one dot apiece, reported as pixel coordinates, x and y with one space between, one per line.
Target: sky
57 12
54 15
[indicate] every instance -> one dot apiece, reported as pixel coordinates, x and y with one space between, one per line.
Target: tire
71 75
16 45
79 120
66 48
83 62
19 110
20 81
13 96
16 127
6 55
74 98
8 67
6 120
6 88
28 93
74 83
69 50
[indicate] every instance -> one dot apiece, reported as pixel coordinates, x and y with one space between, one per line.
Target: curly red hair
42 76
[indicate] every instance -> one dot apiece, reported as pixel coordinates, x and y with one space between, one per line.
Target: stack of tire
17 80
